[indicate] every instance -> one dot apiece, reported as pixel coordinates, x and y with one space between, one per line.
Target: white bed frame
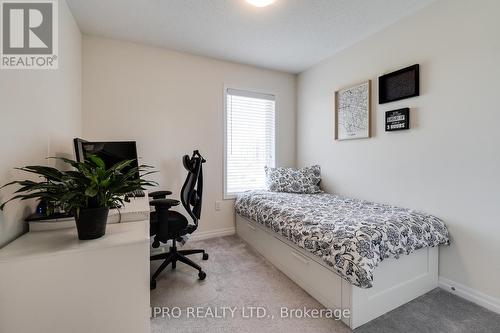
396 282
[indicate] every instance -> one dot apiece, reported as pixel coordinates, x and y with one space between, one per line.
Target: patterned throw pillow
305 180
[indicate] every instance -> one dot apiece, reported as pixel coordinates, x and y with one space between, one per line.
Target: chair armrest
164 203
159 194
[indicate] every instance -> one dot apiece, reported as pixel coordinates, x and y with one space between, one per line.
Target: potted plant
87 191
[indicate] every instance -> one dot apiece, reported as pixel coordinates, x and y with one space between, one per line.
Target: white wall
448 164
172 103
40 114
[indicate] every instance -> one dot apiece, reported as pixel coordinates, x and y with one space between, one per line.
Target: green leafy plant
88 185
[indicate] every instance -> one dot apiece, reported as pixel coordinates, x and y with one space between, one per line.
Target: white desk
51 282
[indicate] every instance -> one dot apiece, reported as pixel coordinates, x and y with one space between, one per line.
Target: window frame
232 196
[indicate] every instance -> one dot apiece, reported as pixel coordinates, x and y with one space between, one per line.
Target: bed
351 254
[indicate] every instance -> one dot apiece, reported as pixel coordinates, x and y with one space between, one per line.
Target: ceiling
289 35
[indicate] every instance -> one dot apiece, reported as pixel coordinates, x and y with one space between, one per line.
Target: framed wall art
352 112
397 120
398 85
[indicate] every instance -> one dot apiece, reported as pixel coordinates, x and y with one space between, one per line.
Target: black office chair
167 225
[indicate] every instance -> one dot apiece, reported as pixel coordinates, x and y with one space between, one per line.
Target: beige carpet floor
239 278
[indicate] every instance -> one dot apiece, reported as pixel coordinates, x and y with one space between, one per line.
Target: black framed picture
397 120
401 84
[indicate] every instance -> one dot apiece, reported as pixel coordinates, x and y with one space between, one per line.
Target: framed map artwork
352 112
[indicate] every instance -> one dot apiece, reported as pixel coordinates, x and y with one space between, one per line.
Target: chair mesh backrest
192 190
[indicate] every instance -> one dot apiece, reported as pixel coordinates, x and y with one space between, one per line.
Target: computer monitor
110 152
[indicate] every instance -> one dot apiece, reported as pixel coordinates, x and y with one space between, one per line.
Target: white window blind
249 138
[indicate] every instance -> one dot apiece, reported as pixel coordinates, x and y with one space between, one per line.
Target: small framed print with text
397 120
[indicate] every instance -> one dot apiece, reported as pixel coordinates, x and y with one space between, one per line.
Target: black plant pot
91 223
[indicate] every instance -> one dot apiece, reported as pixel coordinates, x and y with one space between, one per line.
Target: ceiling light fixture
260 3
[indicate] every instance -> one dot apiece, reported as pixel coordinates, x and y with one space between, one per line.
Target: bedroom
174 76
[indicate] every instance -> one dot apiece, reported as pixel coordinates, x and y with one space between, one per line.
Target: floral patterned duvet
352 236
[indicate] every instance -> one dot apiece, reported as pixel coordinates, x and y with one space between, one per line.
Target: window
249 140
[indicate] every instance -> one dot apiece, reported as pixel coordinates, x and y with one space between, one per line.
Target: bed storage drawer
322 283
259 239
252 235
397 281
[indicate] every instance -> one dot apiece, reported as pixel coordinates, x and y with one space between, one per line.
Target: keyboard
135 210
136 194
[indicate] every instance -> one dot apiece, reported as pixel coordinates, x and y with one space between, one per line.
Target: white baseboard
486 301
201 235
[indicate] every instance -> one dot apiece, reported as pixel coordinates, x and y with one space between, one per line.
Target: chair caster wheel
152 285
202 275
205 256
